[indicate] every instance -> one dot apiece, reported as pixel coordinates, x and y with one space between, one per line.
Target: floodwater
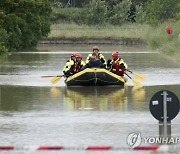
35 112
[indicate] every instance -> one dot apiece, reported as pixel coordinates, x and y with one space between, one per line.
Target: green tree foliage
112 3
3 35
120 12
97 12
139 2
115 12
69 3
161 10
3 39
68 15
24 22
140 16
136 10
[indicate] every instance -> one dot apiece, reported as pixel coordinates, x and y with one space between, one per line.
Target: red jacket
117 68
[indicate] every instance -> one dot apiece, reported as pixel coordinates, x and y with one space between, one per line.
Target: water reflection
22 98
55 92
138 93
101 98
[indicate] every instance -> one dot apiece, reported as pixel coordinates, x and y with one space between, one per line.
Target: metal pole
165 112
0 94
161 129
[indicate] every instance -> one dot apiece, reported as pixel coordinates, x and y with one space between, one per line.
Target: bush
157 38
3 40
97 13
162 10
140 16
3 49
25 22
68 15
120 13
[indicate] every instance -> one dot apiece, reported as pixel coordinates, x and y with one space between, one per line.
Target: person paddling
79 62
98 55
94 62
117 64
70 66
73 65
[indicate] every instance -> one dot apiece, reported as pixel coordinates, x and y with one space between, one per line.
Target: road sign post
164 106
165 112
162 133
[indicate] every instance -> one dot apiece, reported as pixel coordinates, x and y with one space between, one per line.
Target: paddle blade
55 80
139 76
136 83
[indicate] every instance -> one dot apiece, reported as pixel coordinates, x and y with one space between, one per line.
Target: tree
25 21
3 38
140 14
139 2
161 10
3 35
120 12
97 12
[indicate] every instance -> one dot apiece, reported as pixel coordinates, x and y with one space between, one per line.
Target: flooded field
34 112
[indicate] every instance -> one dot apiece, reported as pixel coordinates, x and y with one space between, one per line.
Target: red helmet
78 55
95 48
115 55
73 55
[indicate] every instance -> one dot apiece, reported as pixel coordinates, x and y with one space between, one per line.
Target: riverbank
108 34
168 43
131 34
110 41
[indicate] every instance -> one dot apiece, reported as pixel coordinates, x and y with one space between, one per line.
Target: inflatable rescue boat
95 77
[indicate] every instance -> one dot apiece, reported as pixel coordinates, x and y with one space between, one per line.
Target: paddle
136 83
56 79
139 76
50 76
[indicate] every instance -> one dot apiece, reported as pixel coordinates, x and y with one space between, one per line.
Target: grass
102 32
169 44
156 37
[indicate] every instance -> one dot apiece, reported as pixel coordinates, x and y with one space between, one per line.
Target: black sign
157 108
